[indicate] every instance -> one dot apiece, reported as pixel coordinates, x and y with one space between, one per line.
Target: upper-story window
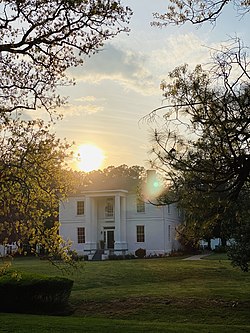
109 208
140 206
80 208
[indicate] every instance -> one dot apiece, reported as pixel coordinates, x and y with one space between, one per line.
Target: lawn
153 295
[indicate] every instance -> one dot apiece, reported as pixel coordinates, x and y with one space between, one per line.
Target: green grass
156 295
32 324
217 256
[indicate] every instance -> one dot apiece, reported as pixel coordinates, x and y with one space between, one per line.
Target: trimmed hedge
33 293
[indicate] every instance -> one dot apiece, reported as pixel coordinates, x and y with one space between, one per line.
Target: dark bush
140 253
129 256
116 257
34 294
221 249
121 256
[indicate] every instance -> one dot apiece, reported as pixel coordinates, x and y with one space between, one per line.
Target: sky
118 86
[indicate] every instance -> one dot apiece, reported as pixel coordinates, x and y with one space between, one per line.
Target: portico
105 221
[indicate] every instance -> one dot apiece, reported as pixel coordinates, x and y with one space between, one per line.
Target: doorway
109 238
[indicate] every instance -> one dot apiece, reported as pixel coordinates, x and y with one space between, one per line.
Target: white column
120 224
94 223
89 245
117 218
124 220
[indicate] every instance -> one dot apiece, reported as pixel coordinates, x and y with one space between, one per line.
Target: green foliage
203 146
33 293
239 250
121 257
112 177
32 181
4 268
40 41
208 166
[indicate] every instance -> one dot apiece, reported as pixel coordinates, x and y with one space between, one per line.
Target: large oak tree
32 181
204 144
40 40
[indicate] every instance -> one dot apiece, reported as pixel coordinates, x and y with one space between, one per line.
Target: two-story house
117 221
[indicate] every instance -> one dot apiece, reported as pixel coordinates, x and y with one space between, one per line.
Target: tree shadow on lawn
168 310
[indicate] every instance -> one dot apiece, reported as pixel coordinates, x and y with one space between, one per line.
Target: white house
116 221
8 249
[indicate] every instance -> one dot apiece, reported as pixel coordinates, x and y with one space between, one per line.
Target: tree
32 180
211 167
120 177
41 39
212 158
203 215
239 250
197 11
212 106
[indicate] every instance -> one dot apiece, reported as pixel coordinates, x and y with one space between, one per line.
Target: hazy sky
120 85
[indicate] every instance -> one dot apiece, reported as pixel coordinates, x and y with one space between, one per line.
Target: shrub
34 294
121 256
221 249
116 257
140 253
129 256
75 256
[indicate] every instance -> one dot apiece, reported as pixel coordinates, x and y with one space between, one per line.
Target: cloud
184 49
141 71
76 110
127 68
85 99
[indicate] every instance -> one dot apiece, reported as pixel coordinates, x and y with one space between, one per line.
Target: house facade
117 222
8 249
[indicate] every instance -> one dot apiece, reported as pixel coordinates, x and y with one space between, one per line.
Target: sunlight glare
89 157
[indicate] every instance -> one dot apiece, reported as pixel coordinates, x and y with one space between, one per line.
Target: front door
110 239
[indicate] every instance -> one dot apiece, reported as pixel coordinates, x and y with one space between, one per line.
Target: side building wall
159 224
70 222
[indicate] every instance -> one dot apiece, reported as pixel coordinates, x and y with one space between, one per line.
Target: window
81 235
169 209
140 206
140 235
80 207
169 233
109 209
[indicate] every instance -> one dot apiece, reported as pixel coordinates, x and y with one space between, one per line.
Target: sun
89 157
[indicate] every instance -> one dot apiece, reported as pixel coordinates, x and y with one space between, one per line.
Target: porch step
98 255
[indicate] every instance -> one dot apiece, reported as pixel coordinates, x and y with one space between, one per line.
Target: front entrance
109 238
